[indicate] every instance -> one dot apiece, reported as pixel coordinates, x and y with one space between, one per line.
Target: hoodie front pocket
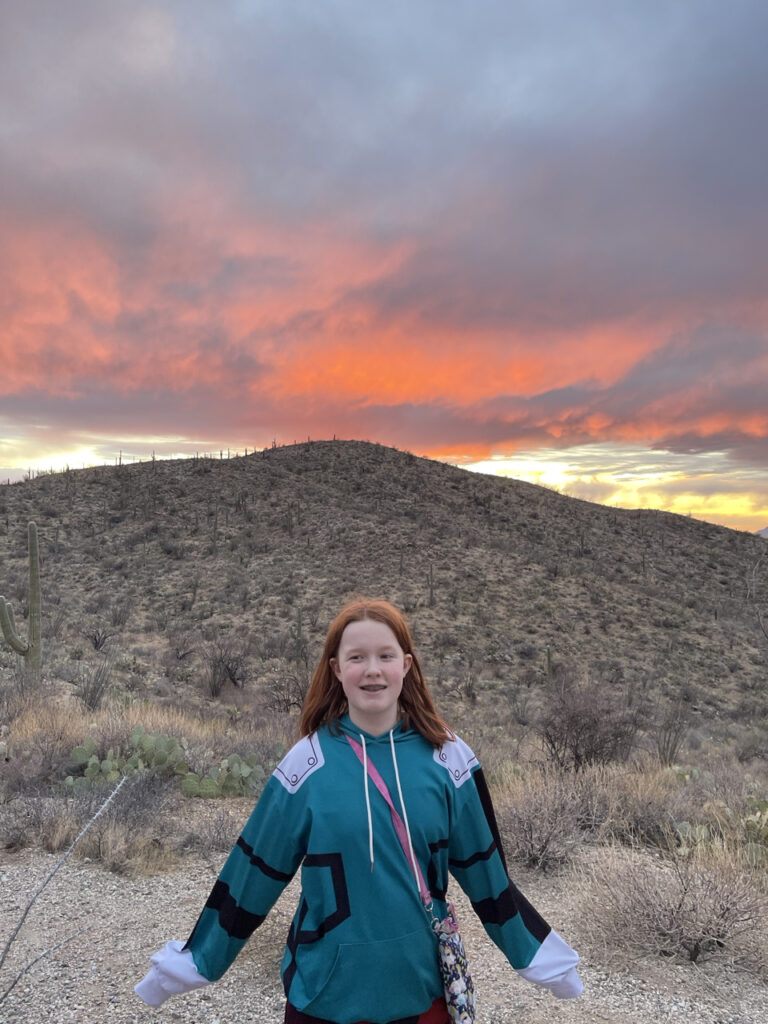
380 981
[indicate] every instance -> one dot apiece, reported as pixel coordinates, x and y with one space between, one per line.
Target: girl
361 947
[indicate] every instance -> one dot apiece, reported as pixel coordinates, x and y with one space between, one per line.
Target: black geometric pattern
236 922
298 935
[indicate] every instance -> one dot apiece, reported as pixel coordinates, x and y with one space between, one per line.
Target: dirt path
90 979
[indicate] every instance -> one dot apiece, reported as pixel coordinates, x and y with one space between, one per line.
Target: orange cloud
279 328
355 358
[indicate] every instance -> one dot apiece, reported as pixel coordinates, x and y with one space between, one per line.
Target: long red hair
325 701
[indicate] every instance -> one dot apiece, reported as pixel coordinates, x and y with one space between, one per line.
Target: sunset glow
533 246
703 486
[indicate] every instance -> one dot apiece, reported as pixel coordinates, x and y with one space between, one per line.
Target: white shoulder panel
457 759
299 763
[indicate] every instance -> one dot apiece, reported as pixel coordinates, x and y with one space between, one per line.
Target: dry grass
131 837
47 724
61 725
543 813
538 817
686 908
640 802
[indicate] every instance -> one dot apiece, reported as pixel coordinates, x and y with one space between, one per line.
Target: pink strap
397 821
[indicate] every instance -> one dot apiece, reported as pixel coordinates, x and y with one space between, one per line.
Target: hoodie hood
399 733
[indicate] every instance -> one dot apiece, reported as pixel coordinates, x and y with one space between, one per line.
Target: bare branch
31 964
59 863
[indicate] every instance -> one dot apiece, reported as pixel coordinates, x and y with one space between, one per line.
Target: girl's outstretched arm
476 859
262 862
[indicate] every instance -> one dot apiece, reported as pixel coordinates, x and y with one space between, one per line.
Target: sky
528 238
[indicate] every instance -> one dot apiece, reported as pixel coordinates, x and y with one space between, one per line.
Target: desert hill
172 564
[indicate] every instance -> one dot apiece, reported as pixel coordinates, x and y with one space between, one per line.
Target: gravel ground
90 979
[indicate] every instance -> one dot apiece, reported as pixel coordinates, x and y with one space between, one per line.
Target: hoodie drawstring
367 800
363 754
405 815
400 822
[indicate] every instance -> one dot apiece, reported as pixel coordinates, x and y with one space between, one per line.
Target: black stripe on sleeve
490 815
532 919
267 869
480 855
236 922
433 881
510 902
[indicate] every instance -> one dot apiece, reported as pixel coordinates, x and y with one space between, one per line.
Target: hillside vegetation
169 564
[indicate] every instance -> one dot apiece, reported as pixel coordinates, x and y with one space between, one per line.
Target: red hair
325 701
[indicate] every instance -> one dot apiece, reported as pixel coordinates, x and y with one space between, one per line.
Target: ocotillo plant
31 650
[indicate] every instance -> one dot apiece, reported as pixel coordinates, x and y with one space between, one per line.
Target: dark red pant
436 1014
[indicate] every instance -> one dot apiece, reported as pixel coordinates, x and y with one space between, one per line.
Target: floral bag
457 981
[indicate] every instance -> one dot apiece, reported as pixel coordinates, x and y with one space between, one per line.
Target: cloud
471 235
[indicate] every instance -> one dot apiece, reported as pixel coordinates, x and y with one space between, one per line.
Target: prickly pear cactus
164 755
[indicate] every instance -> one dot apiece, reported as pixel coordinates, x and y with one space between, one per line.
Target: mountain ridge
502 580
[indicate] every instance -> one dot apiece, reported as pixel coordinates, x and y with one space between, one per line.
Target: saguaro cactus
31 650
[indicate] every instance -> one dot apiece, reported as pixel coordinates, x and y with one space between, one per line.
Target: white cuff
568 986
554 968
172 972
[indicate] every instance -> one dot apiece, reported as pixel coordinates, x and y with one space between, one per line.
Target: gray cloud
548 167
580 129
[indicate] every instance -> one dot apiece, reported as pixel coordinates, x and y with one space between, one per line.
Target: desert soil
89 980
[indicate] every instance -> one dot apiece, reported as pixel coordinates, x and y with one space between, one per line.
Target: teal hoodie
360 945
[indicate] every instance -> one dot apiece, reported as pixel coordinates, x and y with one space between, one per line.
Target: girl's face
371 667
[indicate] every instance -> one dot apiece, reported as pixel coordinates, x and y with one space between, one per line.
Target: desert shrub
538 817
12 701
595 787
111 729
645 806
752 745
687 908
20 773
632 804
98 636
120 612
216 832
225 660
15 831
93 682
583 723
37 749
130 837
286 690
715 796
725 804
669 732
